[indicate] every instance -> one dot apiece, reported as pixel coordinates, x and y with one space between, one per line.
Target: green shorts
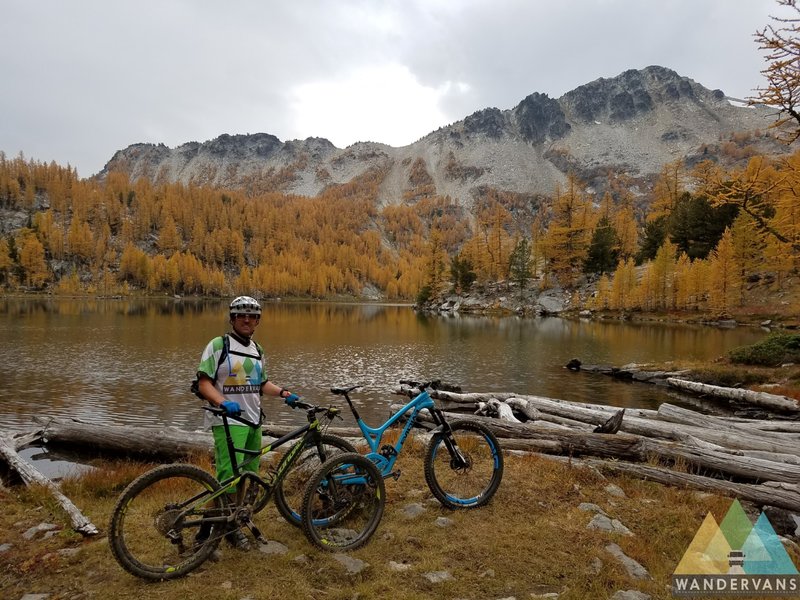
243 437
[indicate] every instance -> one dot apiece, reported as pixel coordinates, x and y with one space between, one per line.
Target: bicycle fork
458 460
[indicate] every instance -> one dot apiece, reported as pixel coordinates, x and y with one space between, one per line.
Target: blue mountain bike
463 460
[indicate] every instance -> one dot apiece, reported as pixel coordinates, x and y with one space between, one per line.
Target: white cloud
387 99
388 71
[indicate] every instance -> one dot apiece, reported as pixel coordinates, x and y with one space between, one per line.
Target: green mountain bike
155 524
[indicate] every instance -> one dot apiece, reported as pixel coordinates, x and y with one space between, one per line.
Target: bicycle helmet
245 305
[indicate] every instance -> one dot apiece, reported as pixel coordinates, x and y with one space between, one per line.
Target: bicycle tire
470 487
289 492
343 503
146 513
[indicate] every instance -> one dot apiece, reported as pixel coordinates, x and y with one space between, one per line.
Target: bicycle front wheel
154 531
289 492
464 468
343 503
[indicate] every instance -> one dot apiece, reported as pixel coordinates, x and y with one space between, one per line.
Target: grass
531 538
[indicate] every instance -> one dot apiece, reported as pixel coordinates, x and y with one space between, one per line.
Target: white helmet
245 305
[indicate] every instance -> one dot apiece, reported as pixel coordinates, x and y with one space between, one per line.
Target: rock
5 548
630 595
596 566
40 528
438 576
605 523
615 490
550 305
783 521
353 565
590 507
544 591
272 547
399 566
412 511
443 522
633 568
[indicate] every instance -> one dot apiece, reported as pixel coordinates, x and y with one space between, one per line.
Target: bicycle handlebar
421 386
221 412
331 412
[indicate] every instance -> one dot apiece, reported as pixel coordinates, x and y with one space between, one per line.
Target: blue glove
231 408
291 399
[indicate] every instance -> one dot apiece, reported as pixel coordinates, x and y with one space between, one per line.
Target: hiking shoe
238 540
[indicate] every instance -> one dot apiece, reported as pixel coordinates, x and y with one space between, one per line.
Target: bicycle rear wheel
343 503
467 483
154 526
289 492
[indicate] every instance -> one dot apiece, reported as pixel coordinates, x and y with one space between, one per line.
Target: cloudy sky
80 80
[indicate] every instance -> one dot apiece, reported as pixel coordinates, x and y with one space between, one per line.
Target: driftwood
30 475
762 399
782 496
637 448
736 452
647 423
156 442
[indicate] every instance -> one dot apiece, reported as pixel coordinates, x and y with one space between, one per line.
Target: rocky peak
489 121
631 94
540 118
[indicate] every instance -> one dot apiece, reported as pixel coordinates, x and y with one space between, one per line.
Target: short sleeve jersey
239 377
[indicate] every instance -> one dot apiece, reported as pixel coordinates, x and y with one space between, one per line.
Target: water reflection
131 361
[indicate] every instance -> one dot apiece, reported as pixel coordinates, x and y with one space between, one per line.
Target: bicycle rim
289 492
154 527
456 484
343 503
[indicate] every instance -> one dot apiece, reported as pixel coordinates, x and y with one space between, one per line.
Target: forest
698 240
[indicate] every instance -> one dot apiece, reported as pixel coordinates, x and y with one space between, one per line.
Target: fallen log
31 475
782 496
646 423
683 416
637 448
762 399
155 442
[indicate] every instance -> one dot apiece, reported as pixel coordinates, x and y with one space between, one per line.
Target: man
232 376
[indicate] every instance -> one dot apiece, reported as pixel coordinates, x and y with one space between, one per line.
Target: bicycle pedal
395 475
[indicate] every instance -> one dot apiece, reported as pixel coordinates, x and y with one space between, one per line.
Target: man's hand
231 408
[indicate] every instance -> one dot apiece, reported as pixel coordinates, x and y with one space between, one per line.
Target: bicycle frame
385 457
311 432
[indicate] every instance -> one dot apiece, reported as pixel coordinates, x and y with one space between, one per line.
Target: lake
131 361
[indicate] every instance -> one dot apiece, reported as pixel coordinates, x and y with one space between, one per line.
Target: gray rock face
634 569
631 124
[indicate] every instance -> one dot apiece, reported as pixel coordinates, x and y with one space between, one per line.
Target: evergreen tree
462 274
696 227
603 249
519 267
655 232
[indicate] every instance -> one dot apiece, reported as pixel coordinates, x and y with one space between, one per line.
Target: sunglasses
244 316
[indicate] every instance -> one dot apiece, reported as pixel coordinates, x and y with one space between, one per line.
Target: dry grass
531 538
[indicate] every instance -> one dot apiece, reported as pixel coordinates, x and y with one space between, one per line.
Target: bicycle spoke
469 477
343 503
155 532
289 492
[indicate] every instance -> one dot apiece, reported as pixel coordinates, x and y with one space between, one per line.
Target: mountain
632 124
